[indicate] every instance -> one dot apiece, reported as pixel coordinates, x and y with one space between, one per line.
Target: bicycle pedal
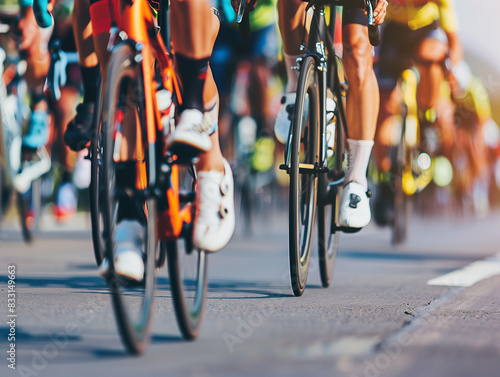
126 282
187 156
346 229
88 156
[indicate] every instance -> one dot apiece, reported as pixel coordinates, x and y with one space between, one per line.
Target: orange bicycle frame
138 23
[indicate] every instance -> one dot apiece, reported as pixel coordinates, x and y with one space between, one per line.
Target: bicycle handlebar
369 5
42 15
59 60
373 30
243 19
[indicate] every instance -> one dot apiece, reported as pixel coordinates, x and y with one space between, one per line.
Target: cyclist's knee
357 55
359 68
431 51
389 101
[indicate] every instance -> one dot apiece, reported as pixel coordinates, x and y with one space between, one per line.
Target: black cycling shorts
354 16
398 47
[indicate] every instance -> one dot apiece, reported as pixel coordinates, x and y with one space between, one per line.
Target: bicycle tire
123 78
328 211
95 178
303 186
2 196
187 269
401 205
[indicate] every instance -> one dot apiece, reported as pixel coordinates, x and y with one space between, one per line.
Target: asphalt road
380 317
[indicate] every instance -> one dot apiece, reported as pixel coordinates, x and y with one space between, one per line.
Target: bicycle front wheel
95 190
123 102
187 267
303 182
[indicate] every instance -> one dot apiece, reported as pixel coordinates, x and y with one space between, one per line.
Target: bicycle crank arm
306 168
347 229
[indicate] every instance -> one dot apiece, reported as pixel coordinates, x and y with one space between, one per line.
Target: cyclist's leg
78 133
292 25
264 49
129 231
361 116
34 42
391 63
435 109
291 17
263 54
194 27
222 62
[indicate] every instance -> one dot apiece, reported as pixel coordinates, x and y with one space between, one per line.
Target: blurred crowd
454 111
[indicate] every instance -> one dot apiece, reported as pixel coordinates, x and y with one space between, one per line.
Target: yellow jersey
420 13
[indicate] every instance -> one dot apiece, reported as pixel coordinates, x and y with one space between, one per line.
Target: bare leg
291 23
194 30
82 29
429 93
362 100
389 104
35 41
363 97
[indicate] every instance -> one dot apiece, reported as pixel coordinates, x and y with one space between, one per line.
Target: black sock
66 176
193 74
90 79
37 96
128 208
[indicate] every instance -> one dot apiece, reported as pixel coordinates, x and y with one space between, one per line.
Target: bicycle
245 82
413 156
410 172
21 170
164 189
316 178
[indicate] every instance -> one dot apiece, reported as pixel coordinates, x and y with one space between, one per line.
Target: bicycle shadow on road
22 335
249 290
103 354
406 256
78 282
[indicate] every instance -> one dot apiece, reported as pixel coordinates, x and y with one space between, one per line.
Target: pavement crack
416 322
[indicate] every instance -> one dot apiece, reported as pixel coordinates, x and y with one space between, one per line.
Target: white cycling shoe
129 241
354 206
215 218
285 114
284 118
192 131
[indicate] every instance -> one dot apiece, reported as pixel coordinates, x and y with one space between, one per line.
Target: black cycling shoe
79 131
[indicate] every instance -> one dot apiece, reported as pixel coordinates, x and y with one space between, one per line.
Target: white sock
360 151
291 74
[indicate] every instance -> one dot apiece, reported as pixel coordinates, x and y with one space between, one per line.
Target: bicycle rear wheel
96 207
331 186
328 210
401 205
303 185
123 101
187 268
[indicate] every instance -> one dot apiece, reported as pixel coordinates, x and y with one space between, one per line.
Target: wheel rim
187 269
132 301
303 185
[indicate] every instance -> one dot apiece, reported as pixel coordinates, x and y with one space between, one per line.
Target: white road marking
470 274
